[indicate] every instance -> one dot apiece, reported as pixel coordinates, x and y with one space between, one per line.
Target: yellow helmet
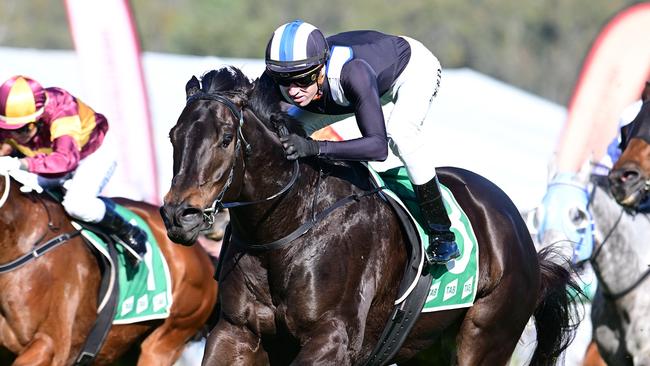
22 101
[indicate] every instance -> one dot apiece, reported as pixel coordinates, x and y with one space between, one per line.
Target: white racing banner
109 56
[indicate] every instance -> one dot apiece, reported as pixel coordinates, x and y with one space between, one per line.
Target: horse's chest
8 337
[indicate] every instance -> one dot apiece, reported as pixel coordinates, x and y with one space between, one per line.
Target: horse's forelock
226 79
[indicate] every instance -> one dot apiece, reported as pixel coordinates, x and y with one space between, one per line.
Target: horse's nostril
629 176
188 212
189 215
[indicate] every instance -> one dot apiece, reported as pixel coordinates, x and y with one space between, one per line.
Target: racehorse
629 182
325 296
620 260
617 262
49 304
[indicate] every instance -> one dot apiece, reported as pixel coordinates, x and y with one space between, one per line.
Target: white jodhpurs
412 94
90 177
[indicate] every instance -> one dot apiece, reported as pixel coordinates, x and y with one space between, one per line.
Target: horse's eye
579 218
227 139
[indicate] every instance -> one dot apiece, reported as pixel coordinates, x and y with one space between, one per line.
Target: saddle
412 292
108 289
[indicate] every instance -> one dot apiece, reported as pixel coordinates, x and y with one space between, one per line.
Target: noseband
217 204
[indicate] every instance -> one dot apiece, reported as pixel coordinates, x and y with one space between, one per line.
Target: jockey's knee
409 146
83 208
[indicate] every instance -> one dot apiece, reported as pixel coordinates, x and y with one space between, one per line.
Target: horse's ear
192 87
646 91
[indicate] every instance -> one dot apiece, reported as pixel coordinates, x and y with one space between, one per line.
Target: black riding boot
442 246
133 237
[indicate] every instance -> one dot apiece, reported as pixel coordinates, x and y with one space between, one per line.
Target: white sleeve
629 113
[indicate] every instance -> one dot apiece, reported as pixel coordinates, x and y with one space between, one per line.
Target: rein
596 253
217 204
304 228
39 249
5 194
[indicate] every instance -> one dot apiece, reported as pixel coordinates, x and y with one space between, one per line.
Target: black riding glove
298 147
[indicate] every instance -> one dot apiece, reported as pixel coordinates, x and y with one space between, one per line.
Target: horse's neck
21 221
267 172
623 238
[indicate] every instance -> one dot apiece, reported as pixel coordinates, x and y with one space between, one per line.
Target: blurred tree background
536 45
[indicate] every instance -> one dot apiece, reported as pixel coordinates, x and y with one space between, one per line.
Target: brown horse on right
630 176
48 305
324 298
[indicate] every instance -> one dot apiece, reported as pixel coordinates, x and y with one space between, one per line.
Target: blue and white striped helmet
295 48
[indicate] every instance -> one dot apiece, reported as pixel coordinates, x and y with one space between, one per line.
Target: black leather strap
406 313
38 251
401 321
104 321
302 229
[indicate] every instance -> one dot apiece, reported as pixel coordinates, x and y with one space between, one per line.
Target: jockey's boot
442 245
133 238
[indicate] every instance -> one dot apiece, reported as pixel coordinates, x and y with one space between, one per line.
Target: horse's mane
261 96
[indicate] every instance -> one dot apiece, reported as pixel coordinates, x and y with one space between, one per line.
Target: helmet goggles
301 79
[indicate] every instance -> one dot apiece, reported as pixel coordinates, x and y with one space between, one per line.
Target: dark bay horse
48 305
325 297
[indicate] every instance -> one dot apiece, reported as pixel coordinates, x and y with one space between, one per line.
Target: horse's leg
230 344
327 345
164 345
39 352
491 328
51 344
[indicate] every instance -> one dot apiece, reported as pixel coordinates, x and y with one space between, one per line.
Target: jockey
356 73
61 139
566 199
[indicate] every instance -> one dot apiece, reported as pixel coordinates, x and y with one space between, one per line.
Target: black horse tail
556 315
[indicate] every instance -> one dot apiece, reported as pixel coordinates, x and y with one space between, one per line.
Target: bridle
218 204
598 250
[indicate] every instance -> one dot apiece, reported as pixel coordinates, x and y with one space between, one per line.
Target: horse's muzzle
628 185
183 222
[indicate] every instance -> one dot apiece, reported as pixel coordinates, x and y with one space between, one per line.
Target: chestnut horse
48 305
325 297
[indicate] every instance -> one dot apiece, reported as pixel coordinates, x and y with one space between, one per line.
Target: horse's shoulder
352 173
